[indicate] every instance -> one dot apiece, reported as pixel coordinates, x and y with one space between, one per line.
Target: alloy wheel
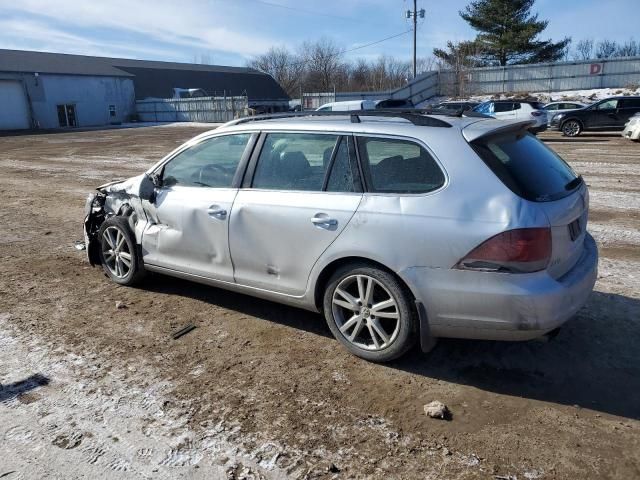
571 128
365 312
116 252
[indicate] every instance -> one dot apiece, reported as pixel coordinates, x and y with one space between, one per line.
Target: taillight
536 113
521 250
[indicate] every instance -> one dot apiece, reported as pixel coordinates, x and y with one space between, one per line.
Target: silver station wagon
400 227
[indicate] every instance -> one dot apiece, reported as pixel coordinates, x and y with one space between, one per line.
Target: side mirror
148 186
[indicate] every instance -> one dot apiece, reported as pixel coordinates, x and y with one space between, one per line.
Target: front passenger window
210 163
608 105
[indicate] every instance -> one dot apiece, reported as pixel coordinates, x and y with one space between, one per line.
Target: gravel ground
259 390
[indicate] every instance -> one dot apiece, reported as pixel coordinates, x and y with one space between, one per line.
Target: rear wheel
571 128
118 253
370 312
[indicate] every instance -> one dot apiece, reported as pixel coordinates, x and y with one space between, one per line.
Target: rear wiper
573 183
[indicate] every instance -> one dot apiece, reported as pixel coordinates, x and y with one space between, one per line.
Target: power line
377 41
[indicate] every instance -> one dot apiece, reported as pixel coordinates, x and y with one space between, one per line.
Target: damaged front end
116 198
94 216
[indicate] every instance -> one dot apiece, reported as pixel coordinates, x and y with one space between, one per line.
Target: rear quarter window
398 166
527 166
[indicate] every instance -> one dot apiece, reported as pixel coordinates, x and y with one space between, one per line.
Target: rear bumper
498 306
631 132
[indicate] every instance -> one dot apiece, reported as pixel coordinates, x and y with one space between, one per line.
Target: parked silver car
399 227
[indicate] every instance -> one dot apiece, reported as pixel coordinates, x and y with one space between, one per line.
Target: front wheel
571 128
118 252
370 312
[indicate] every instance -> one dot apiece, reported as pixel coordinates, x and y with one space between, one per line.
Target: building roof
22 61
151 78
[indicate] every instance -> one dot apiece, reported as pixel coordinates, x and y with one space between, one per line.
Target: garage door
14 111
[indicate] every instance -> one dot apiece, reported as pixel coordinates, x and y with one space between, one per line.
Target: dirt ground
259 390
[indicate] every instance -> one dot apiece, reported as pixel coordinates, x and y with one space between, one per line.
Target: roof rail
415 116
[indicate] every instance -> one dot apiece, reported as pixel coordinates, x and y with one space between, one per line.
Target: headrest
294 164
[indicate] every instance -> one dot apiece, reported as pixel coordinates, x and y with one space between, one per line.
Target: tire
117 248
377 335
571 128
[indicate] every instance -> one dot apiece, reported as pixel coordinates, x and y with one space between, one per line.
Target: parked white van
348 105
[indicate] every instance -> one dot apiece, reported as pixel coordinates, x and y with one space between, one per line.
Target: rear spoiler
489 128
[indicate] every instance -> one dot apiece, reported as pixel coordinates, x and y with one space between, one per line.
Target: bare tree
426 64
459 58
584 49
628 49
324 64
285 67
606 48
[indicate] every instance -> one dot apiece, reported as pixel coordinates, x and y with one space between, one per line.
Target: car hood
129 185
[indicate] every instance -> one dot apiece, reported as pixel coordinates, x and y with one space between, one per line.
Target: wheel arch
330 268
565 120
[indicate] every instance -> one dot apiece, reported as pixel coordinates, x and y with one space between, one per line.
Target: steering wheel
214 169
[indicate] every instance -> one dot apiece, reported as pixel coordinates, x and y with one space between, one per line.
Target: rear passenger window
629 103
398 166
294 161
502 107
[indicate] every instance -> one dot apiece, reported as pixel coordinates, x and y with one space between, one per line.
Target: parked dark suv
608 114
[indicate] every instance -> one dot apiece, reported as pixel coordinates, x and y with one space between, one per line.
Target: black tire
385 284
116 263
571 128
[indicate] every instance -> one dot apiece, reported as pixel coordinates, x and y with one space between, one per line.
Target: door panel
277 236
604 114
188 220
304 189
189 231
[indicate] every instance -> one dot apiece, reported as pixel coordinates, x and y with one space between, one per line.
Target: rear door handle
217 212
324 221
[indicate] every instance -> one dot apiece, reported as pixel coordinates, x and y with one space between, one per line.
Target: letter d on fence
595 68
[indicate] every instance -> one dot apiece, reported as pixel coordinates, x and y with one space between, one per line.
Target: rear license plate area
574 229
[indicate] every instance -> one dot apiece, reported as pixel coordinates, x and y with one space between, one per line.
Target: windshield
527 166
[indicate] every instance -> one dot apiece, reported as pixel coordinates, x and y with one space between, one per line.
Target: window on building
112 110
67 115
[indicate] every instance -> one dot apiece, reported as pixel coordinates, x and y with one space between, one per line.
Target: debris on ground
183 331
437 409
120 305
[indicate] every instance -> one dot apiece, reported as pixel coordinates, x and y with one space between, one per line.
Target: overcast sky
229 32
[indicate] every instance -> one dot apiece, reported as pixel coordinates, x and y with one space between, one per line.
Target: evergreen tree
508 32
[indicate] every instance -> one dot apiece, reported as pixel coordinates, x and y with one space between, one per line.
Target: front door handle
217 212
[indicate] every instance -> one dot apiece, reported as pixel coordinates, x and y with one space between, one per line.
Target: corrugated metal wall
544 77
203 109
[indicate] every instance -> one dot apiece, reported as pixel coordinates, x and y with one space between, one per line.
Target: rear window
527 166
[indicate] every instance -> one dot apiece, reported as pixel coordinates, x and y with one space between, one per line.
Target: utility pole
415 14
